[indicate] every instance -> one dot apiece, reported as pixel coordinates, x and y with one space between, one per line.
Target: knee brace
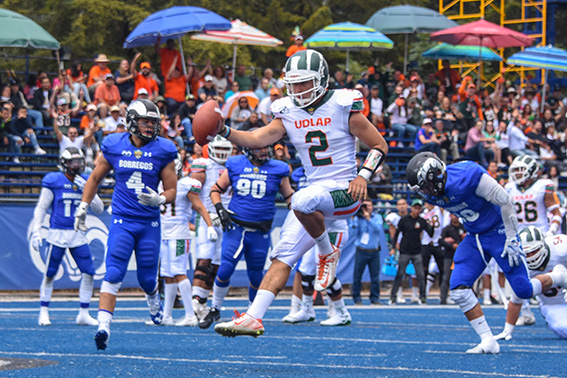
110 288
307 282
335 289
464 297
202 272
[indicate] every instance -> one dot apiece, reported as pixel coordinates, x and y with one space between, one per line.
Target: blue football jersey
135 168
66 197
460 198
254 188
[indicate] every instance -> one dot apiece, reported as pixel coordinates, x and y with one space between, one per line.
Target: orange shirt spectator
167 56
99 71
297 46
108 92
175 88
144 80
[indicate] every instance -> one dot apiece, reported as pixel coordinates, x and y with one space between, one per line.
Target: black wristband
219 206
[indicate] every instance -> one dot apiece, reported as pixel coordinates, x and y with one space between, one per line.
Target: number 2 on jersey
323 146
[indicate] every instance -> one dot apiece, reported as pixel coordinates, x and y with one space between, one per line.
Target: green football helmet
303 66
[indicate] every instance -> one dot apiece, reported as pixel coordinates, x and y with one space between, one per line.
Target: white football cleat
331 310
86 319
156 309
303 315
526 319
295 307
187 321
503 336
241 325
486 346
44 316
326 269
167 321
201 309
341 318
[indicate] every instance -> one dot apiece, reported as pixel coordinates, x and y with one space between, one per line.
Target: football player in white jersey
208 252
533 198
174 251
323 126
543 254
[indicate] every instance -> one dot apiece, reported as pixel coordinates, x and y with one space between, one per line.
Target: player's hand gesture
514 250
212 234
80 182
37 240
152 198
357 188
224 217
81 217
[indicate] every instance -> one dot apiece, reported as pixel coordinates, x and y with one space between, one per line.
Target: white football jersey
321 134
175 217
393 219
530 204
434 217
213 171
557 255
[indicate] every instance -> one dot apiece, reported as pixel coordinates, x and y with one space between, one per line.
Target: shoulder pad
350 98
50 179
281 107
112 140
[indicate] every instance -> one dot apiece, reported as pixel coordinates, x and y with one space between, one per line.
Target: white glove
215 220
37 240
151 198
80 182
513 249
504 335
553 229
565 295
212 234
81 216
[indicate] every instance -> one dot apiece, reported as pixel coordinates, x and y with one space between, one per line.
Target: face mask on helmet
143 120
258 155
73 161
306 77
426 175
220 150
522 169
534 247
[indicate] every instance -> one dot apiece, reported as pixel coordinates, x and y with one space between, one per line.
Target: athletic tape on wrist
226 133
373 160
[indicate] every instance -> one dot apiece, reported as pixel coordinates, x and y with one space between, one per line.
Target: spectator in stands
469 105
78 79
41 100
269 75
114 123
244 82
489 110
171 131
264 106
31 87
343 81
297 46
475 148
426 139
431 90
240 113
197 77
106 95
143 79
234 88
208 90
548 119
22 132
97 73
553 101
503 143
530 98
92 151
451 236
187 112
517 140
143 94
124 79
61 113
366 228
63 82
376 107
176 86
399 120
72 139
6 95
449 78
416 85
448 141
219 80
90 120
19 100
489 132
167 56
252 121
553 175
415 111
263 90
6 137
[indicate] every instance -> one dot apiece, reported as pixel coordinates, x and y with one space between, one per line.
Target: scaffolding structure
531 14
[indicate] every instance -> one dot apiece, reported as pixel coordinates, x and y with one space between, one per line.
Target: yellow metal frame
473 10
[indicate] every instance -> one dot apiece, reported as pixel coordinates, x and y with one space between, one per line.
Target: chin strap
373 160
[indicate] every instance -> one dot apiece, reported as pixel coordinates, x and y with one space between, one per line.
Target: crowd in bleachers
434 111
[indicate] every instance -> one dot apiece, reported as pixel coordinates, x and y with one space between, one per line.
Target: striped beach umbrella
350 37
446 51
240 33
544 57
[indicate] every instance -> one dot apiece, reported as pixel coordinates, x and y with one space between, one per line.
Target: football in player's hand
207 122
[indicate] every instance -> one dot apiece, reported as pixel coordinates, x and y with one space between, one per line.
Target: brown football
207 122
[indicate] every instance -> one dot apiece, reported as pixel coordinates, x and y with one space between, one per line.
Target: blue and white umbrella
447 51
543 57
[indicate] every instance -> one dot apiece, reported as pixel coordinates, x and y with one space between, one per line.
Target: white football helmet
303 66
72 161
533 244
522 169
220 150
143 109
